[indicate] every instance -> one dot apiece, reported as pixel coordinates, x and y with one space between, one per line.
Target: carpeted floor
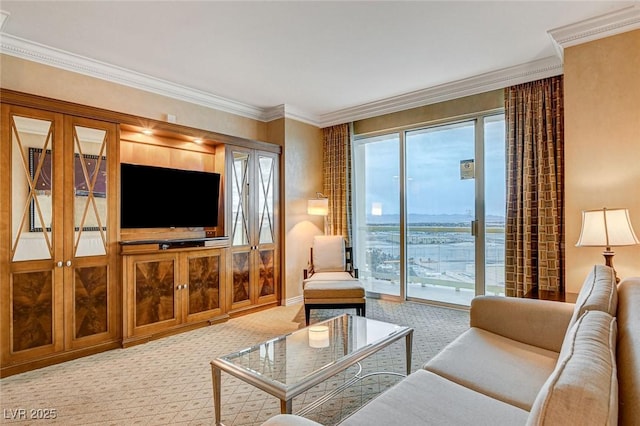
168 381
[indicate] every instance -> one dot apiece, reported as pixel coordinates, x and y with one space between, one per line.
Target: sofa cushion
331 276
333 290
583 388
598 293
424 398
329 253
541 323
502 368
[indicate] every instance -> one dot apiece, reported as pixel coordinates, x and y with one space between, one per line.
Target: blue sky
433 171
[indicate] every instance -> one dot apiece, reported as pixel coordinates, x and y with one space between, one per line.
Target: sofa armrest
540 323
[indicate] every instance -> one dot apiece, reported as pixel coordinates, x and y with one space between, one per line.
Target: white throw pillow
599 292
328 253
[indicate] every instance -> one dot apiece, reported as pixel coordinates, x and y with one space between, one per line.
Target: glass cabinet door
266 172
89 198
266 205
33 159
253 225
34 286
59 284
89 167
240 227
240 199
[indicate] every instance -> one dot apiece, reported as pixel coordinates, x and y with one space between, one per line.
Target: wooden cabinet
58 250
68 287
252 197
167 290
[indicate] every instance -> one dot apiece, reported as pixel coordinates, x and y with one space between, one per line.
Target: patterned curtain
337 179
534 240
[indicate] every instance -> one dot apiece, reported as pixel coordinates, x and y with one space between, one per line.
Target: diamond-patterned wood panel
240 277
90 300
32 308
154 291
266 284
204 284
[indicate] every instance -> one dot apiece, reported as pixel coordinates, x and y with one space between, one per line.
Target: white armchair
331 279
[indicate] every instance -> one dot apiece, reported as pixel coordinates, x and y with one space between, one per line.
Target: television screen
158 197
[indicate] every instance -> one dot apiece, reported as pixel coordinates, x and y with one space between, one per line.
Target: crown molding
47 55
300 115
518 74
609 24
40 53
616 22
288 111
274 113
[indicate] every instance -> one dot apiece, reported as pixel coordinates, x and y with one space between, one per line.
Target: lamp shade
319 336
318 207
606 228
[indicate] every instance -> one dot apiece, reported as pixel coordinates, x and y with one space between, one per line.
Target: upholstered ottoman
333 295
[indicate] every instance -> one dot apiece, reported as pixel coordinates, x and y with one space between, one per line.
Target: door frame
479 202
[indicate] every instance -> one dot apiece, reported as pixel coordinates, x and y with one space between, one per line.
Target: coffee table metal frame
286 392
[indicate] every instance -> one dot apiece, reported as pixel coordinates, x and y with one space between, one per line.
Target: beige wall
43 80
602 144
303 178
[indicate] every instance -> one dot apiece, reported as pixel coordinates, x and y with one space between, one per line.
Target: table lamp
606 228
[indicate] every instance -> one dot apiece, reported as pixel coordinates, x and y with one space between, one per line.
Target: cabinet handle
59 264
68 263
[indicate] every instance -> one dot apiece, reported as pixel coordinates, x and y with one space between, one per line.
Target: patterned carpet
168 381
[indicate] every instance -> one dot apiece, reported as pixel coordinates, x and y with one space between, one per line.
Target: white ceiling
322 62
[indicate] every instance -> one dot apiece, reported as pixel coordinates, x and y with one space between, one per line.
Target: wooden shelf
146 246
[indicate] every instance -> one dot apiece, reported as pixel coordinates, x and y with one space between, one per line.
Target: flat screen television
158 197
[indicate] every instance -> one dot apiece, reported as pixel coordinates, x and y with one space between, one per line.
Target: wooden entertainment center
74 283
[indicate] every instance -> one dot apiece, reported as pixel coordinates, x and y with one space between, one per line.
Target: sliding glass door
440 199
429 211
377 200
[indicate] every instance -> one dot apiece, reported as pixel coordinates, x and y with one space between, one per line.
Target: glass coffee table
289 365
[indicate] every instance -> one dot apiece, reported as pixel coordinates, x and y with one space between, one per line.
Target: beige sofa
526 362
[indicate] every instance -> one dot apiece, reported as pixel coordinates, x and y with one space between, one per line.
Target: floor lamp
607 228
319 206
